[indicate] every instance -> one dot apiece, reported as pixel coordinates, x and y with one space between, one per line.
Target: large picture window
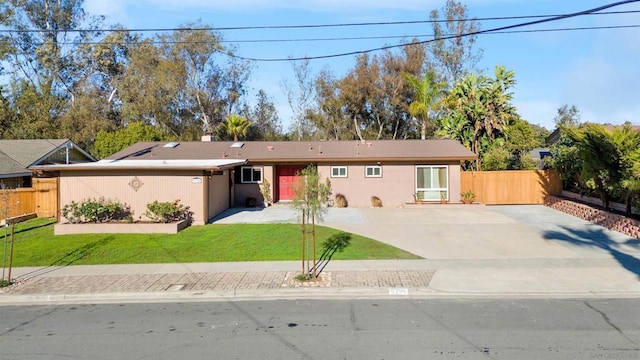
250 175
432 182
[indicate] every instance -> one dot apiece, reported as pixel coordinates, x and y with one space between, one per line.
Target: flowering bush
97 210
165 212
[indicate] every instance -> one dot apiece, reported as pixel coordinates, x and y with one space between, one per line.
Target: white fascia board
147 164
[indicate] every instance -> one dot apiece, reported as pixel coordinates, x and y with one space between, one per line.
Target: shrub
376 202
469 196
250 202
97 210
165 212
341 201
265 190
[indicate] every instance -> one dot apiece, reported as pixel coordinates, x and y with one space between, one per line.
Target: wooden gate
511 187
46 196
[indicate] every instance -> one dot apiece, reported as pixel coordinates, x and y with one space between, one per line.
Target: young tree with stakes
310 201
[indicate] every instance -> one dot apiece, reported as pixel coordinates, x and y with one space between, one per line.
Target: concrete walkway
469 251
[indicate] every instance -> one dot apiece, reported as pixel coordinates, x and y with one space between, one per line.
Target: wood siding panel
156 185
218 200
513 187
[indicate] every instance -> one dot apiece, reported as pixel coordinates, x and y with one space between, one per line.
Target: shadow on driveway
598 238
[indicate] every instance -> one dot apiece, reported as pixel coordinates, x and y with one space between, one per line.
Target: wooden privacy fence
41 199
511 187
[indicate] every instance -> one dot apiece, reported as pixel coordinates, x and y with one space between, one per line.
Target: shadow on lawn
69 258
29 228
599 239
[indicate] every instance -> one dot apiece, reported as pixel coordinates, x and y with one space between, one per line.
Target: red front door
287 180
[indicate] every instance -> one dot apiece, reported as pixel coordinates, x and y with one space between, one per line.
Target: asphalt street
336 329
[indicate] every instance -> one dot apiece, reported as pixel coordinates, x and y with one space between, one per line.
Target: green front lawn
35 245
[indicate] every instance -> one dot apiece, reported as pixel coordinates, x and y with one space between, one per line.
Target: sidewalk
526 278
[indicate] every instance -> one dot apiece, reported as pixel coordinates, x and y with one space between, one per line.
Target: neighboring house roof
10 168
301 151
16 156
147 165
540 153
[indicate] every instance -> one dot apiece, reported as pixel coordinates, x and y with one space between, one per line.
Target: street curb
292 294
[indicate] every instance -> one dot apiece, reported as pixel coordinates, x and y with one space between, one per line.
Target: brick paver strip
207 282
272 280
212 281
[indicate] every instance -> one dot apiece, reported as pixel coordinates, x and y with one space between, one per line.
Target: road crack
608 321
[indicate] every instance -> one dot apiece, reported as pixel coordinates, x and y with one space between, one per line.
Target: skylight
237 144
171 144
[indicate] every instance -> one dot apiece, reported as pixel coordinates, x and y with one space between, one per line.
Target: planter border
119 228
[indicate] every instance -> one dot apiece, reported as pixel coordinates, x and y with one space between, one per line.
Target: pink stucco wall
243 191
394 188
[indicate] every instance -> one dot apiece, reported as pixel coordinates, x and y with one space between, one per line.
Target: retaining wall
609 220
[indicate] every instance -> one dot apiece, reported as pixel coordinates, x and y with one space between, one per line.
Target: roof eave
13 175
164 167
364 159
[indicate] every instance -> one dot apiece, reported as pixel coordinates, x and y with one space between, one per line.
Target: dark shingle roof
16 156
10 167
26 152
303 151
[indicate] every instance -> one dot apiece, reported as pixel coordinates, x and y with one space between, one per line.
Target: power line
389 37
311 26
497 29
610 27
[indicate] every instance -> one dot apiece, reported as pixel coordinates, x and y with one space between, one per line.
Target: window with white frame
250 175
432 182
373 171
339 171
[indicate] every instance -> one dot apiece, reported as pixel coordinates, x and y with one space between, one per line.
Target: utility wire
388 37
311 26
429 35
492 30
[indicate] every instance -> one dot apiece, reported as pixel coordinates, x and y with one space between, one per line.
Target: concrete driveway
465 231
477 249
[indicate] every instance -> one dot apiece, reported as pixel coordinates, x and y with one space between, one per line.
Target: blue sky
596 70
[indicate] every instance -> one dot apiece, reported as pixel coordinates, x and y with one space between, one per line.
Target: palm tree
485 104
428 93
236 126
469 98
454 126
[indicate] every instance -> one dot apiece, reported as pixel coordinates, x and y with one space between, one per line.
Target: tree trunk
313 232
303 239
13 228
357 128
